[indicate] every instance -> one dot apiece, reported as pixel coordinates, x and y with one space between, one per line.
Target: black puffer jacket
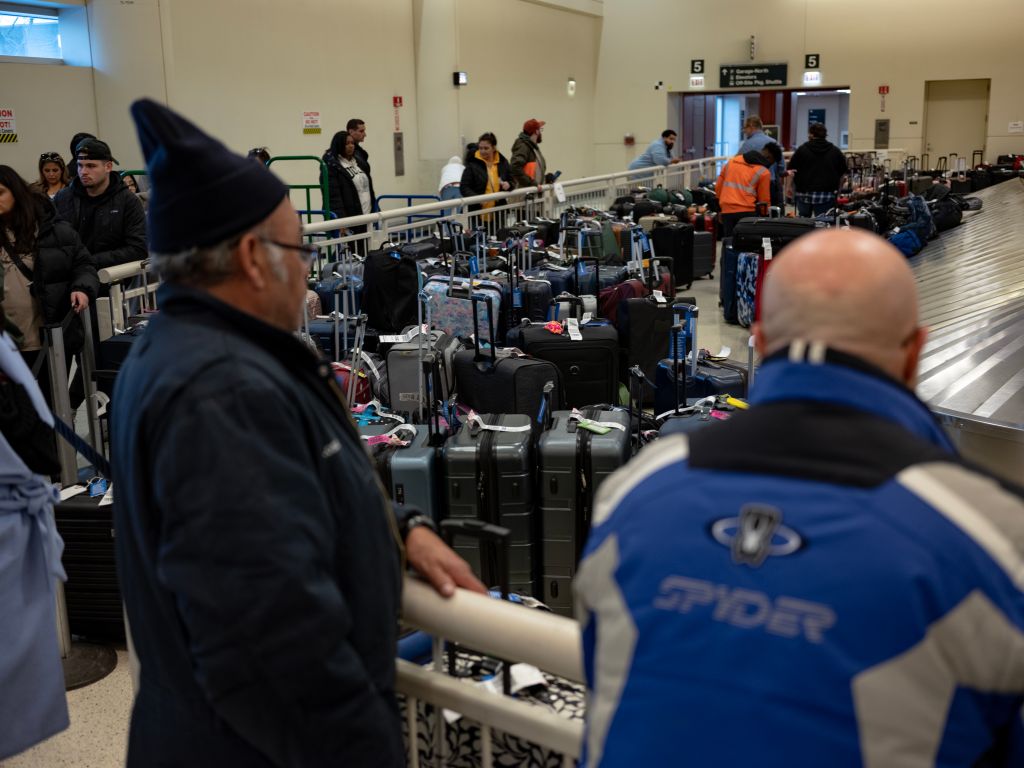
474 178
118 233
62 265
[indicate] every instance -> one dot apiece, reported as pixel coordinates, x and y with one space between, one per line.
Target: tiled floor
98 735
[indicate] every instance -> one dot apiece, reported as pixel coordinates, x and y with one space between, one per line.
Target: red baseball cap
532 125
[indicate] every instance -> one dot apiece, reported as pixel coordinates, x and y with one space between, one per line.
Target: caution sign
8 128
311 123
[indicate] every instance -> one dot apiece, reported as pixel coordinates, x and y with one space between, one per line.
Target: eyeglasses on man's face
306 252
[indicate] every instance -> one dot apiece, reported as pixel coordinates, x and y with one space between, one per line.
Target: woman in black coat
349 186
487 171
46 269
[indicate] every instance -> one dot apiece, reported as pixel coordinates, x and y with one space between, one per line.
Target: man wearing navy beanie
259 559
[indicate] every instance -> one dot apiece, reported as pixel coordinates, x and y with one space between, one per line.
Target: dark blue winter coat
257 555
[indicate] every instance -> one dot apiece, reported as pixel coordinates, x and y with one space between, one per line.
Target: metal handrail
529 722
544 192
497 627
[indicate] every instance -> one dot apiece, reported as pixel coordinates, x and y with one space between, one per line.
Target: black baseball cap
94 149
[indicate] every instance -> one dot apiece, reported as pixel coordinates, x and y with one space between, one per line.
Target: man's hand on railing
435 560
79 301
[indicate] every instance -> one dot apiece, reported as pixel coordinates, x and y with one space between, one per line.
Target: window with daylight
29 34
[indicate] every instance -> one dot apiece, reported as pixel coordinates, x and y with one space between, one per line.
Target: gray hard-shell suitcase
406 382
574 461
490 476
409 473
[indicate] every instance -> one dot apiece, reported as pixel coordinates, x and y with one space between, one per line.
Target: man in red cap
526 150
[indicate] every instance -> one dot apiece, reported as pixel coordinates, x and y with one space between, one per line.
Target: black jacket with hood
61 266
819 164
117 234
343 195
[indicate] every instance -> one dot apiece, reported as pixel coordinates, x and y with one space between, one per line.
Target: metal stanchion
56 360
63 628
88 360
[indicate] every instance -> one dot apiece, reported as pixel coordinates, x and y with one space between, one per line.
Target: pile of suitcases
505 380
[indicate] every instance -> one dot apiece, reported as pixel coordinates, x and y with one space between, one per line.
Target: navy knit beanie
201 192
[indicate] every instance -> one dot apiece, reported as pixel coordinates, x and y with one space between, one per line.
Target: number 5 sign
812 61
696 66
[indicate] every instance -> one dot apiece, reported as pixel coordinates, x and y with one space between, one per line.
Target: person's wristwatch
415 521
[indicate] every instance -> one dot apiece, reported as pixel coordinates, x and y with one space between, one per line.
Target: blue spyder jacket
818 582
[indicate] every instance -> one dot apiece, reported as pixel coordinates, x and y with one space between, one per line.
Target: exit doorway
955 118
712 123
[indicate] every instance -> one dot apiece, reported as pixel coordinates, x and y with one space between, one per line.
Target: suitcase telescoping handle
545 416
475 299
655 279
688 325
580 270
493 537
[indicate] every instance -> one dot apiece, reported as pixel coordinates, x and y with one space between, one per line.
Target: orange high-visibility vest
742 186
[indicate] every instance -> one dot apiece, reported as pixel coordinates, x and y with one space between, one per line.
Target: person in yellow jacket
487 171
744 188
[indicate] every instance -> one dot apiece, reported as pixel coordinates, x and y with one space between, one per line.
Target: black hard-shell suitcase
507 383
644 326
727 282
675 241
589 366
749 234
703 255
491 476
574 461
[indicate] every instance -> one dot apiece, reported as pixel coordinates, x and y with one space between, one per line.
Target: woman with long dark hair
349 187
46 269
53 174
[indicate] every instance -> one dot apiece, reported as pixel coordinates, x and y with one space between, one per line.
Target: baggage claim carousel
971 284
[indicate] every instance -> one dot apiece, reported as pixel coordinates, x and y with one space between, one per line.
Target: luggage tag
403 337
392 437
476 425
517 298
766 246
659 297
597 427
572 325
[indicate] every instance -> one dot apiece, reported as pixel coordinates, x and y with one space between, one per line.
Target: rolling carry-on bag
587 355
390 290
727 282
703 255
406 461
644 326
507 382
676 242
577 452
490 475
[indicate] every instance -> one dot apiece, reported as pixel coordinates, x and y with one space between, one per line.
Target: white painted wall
51 102
862 45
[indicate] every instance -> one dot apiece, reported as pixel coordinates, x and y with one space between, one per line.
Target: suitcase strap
391 437
477 425
597 427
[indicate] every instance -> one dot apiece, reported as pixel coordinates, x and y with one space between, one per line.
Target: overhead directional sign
752 75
